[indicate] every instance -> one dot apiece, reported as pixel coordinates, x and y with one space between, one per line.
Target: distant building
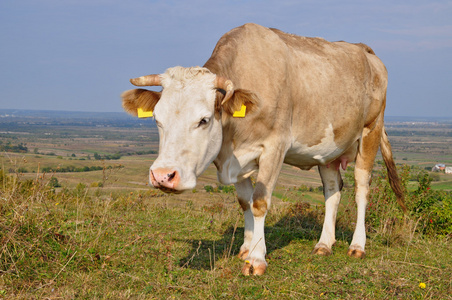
439 167
448 170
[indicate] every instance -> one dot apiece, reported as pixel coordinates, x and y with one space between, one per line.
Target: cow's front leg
244 193
269 168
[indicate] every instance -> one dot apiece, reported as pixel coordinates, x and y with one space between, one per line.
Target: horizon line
123 112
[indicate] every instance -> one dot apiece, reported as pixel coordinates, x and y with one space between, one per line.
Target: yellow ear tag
240 113
144 114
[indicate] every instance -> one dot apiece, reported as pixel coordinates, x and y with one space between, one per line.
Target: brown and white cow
308 103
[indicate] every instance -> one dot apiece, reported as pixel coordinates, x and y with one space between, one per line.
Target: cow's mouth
168 190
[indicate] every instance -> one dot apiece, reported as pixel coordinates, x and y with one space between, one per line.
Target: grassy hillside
91 243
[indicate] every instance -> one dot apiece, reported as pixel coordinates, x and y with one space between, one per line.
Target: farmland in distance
58 140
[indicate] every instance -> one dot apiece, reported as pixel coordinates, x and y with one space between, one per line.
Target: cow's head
188 114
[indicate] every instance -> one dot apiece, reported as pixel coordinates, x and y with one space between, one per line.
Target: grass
95 244
442 185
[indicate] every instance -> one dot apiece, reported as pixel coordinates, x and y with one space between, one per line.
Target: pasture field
104 234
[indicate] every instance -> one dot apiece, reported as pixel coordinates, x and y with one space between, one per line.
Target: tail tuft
394 180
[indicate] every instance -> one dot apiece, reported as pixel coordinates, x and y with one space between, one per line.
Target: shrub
303 188
220 189
230 189
53 182
430 210
22 170
80 190
115 156
209 188
96 184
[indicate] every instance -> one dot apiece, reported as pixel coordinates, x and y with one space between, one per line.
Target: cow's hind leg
363 171
332 185
244 193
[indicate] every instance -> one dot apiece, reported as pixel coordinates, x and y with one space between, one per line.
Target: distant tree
22 170
20 148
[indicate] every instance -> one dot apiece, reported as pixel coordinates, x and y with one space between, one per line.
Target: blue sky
78 55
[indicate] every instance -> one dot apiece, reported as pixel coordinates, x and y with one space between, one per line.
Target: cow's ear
139 98
240 98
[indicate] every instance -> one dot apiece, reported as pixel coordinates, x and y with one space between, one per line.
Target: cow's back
333 83
305 85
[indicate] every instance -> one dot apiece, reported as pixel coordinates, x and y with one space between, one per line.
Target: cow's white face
190 133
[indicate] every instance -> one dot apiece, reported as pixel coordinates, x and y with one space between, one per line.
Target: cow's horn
226 85
148 80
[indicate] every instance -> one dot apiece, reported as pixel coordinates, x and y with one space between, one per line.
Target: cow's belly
306 156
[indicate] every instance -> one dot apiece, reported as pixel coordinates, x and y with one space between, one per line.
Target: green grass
442 185
95 244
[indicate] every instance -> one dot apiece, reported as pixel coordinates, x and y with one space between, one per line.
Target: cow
262 99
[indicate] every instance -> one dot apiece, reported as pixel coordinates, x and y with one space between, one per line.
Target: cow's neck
239 154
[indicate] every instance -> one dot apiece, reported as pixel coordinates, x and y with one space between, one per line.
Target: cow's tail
394 180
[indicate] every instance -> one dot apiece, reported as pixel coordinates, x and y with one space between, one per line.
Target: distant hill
54 114
70 118
418 119
23 115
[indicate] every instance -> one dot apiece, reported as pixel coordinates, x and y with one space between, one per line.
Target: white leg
269 167
332 183
244 193
363 171
259 249
362 180
255 263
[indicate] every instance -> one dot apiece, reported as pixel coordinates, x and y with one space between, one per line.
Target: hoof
256 267
322 249
355 252
243 254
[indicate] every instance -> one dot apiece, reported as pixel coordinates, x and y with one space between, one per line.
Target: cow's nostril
165 178
171 176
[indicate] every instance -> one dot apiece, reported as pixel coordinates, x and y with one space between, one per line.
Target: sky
78 55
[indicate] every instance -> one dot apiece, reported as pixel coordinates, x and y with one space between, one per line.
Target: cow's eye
203 122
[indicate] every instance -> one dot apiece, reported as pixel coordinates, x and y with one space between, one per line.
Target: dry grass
85 244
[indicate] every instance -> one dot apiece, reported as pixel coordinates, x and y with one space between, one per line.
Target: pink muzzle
163 178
